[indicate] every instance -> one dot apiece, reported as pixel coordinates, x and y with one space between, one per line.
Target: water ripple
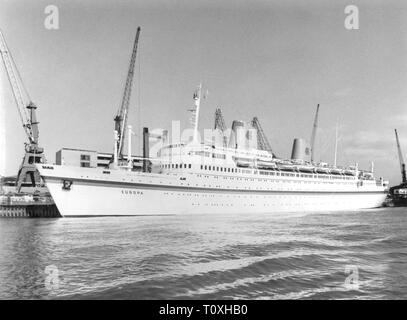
207 257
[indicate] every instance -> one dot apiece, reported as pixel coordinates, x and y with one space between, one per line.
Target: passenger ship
201 178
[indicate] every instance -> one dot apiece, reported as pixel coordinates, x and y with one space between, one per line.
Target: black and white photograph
175 150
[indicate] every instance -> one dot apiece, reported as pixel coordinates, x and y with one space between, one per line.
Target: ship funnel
238 135
299 149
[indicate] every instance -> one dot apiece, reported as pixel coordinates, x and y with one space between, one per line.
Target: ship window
210 168
189 166
201 166
206 168
85 164
217 168
85 157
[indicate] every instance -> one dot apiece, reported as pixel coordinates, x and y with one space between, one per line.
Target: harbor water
342 255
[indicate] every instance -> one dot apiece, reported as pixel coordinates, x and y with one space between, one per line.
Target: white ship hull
94 192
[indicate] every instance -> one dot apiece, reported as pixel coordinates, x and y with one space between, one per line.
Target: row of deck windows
261 172
176 166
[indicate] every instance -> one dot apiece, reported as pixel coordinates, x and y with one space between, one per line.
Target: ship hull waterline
87 197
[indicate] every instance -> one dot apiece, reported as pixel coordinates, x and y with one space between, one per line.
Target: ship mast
401 159
313 135
336 144
195 111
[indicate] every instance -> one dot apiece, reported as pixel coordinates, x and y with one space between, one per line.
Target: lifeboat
287 167
350 172
322 170
368 175
266 165
308 169
336 171
243 163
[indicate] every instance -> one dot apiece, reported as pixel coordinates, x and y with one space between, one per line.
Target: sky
273 59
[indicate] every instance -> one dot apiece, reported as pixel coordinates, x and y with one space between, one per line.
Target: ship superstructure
239 174
194 177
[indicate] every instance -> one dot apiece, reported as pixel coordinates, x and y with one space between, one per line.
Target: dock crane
27 112
120 119
401 159
221 125
262 141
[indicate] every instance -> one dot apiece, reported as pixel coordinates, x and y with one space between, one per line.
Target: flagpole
336 143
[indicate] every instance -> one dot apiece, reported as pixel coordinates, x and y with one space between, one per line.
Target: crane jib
121 117
26 108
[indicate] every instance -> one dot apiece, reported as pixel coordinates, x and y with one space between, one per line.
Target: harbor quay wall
29 211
